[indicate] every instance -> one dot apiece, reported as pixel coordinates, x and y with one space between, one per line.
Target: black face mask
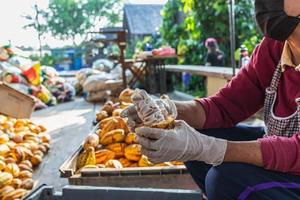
273 21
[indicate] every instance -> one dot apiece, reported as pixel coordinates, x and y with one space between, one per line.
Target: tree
35 22
70 18
204 19
187 24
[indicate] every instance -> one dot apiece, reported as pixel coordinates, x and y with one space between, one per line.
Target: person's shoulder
270 47
265 59
272 43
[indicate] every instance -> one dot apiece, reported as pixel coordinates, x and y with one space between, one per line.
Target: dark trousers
242 181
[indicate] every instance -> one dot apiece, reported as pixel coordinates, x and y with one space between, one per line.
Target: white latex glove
183 143
148 111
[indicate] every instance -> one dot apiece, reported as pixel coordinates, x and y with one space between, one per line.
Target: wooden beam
221 72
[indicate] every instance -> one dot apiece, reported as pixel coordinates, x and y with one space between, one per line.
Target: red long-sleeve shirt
244 95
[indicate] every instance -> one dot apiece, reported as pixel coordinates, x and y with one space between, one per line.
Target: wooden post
122 46
120 40
231 5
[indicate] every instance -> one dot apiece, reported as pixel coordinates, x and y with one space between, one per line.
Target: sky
12 23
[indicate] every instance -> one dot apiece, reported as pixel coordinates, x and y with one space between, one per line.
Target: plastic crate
110 193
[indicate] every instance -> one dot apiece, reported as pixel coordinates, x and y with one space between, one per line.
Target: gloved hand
183 143
148 111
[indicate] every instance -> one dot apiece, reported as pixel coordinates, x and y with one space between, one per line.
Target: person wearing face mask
227 160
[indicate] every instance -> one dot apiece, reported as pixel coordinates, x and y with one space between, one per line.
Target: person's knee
214 182
198 171
219 183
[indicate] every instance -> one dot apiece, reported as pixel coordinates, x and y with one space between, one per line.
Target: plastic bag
11 74
22 63
83 74
49 72
33 74
96 82
115 87
66 93
20 87
11 78
38 103
100 96
70 88
103 65
116 72
4 55
42 93
7 67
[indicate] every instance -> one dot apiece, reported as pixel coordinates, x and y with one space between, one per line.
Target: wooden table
137 72
216 77
155 78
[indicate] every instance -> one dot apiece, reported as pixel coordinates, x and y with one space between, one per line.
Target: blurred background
62 33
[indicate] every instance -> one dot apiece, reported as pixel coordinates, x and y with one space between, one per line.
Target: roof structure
143 19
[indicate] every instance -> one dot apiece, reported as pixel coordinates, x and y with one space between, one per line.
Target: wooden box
171 177
14 103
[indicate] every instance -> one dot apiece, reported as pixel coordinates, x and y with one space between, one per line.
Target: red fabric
281 153
244 96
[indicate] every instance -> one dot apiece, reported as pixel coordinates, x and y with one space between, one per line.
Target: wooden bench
216 77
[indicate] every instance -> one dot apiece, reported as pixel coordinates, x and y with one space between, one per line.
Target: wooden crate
15 103
171 177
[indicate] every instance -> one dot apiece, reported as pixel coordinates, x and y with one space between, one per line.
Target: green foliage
136 47
154 41
71 18
112 49
172 30
66 19
188 23
47 59
34 57
206 19
129 51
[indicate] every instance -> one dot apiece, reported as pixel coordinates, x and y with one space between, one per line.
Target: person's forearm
191 112
244 152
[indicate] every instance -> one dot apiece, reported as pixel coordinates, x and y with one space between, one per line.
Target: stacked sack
95 87
81 76
23 145
58 87
113 145
41 82
100 83
100 87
